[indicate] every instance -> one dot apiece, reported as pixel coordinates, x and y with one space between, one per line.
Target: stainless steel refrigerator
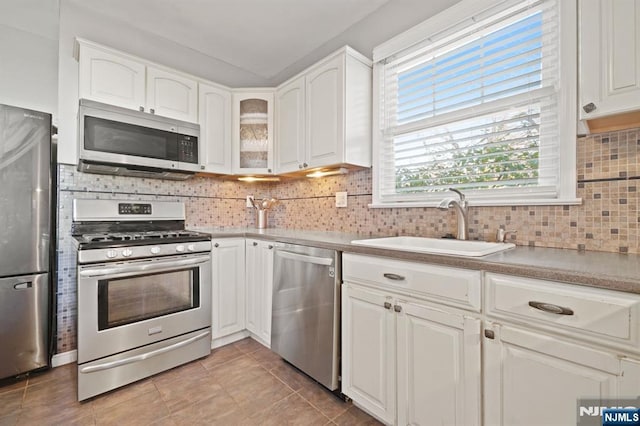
25 234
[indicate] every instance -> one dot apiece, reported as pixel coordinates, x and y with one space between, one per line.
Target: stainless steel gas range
144 291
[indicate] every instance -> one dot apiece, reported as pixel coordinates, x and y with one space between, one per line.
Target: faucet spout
462 213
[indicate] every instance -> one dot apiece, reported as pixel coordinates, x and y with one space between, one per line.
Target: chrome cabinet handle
305 165
141 109
387 305
590 107
394 277
397 308
152 111
299 166
270 247
489 334
551 308
255 243
216 245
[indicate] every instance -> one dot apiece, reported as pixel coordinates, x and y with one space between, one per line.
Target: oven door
126 305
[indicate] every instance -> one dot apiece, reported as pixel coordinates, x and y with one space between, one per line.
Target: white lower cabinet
537 379
259 283
228 286
410 362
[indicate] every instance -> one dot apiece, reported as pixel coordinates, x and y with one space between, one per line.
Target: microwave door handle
143 268
327 261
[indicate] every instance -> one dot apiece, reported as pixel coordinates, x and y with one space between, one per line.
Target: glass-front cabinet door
253 132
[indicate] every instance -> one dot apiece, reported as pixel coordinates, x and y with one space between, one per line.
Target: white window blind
474 107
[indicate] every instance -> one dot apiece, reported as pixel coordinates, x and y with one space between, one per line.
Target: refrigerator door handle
23 286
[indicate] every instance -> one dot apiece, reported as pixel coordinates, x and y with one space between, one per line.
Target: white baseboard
221 341
259 340
64 358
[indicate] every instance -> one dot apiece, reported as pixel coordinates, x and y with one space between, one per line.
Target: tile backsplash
608 171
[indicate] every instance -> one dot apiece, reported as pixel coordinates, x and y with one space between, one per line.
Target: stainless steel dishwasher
305 327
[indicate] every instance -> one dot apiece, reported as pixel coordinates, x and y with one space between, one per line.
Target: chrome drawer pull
387 305
551 308
394 277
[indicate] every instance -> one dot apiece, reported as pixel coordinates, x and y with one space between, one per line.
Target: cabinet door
368 350
290 143
609 56
438 367
228 290
110 78
215 128
259 273
172 95
532 378
252 132
325 113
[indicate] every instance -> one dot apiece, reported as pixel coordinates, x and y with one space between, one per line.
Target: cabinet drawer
451 286
596 313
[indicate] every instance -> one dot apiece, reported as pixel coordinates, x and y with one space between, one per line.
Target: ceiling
259 36
264 41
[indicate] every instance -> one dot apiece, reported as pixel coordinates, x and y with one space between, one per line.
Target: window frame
447 21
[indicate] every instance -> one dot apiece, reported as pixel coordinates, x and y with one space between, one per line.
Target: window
480 98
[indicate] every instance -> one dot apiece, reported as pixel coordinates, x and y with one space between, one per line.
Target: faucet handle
501 235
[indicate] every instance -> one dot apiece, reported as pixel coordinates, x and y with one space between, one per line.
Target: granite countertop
596 269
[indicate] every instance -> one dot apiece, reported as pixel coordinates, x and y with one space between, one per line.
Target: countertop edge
490 263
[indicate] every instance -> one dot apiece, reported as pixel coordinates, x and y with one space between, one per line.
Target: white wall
29 54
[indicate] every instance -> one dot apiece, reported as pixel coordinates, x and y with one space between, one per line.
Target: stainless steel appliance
144 291
25 215
114 140
306 310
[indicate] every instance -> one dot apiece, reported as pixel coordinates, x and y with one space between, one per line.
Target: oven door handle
142 357
143 268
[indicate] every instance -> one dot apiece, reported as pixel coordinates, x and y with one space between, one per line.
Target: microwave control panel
187 149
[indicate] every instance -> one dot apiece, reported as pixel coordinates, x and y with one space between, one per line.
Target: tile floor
243 383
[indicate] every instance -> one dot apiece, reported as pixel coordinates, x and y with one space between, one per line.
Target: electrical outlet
341 199
249 198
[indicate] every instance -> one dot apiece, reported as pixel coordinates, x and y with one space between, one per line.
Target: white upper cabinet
215 128
609 57
171 95
290 122
335 110
115 78
252 131
105 76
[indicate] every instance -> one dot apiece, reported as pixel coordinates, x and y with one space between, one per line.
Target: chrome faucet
461 211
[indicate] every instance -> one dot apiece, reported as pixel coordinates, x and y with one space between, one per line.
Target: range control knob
191 247
111 254
127 252
155 250
180 248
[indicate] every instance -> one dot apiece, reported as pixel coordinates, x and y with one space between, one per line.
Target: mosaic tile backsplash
608 171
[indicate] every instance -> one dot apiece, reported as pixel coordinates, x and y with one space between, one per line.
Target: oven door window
132 299
127 139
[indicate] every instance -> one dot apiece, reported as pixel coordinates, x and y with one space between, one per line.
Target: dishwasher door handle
327 261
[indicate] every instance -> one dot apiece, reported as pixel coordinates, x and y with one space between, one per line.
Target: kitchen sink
436 245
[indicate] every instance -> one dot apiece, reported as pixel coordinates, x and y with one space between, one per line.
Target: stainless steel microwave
114 140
